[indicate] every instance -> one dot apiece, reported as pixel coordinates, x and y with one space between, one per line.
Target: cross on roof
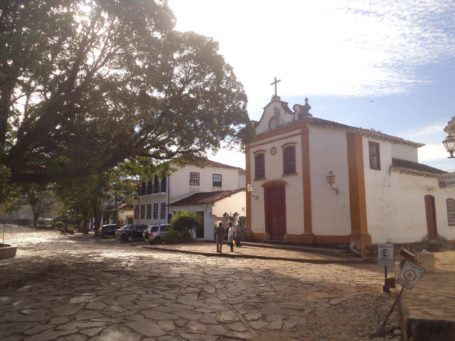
275 82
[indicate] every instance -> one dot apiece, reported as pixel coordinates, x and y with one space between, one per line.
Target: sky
387 65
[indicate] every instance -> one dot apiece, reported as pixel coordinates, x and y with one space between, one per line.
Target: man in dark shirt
219 237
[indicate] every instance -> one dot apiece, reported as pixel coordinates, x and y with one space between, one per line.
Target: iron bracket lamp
249 189
449 144
331 182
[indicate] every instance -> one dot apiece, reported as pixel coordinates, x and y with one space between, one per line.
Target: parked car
108 230
130 232
154 233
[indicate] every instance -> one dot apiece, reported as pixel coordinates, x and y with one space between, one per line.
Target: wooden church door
275 212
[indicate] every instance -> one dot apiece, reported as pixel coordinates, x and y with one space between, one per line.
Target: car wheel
130 238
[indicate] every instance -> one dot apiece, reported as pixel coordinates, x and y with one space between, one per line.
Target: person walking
238 234
231 234
219 237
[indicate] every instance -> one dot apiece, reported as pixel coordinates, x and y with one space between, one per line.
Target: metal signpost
409 276
386 259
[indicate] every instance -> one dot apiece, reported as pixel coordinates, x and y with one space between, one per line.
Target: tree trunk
36 215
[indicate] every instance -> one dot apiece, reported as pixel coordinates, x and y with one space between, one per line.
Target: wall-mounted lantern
449 144
249 189
331 182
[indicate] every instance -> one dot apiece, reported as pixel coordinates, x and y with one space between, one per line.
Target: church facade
314 181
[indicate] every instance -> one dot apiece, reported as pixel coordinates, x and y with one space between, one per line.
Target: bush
185 221
173 236
59 226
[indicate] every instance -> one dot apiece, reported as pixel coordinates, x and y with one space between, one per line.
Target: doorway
275 211
430 210
200 226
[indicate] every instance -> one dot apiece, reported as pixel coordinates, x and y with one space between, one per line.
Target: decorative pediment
277 114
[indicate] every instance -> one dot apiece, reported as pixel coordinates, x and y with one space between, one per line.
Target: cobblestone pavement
250 251
62 287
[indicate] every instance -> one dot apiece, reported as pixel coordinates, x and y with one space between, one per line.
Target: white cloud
229 157
429 133
334 47
432 152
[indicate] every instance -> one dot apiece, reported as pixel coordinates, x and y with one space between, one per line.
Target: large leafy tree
86 84
41 200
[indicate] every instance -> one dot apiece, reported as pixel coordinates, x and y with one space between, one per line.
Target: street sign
410 275
385 255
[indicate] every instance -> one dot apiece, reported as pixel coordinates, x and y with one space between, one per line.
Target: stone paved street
66 287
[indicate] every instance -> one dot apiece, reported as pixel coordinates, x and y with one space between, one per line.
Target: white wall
395 202
180 184
404 152
330 211
400 216
274 171
230 205
242 180
158 198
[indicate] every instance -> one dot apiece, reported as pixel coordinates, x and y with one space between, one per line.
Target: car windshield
154 228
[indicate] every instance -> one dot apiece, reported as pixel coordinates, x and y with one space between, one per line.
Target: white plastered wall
395 201
158 198
404 152
274 171
401 216
180 186
230 205
330 211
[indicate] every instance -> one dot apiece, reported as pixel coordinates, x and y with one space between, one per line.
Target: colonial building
209 189
314 181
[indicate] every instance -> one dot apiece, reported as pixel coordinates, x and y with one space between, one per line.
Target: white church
314 181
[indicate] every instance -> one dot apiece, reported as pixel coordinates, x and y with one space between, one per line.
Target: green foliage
87 84
184 221
59 225
8 192
173 236
40 198
83 198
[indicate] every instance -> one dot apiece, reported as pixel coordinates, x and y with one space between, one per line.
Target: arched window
289 160
451 211
259 166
